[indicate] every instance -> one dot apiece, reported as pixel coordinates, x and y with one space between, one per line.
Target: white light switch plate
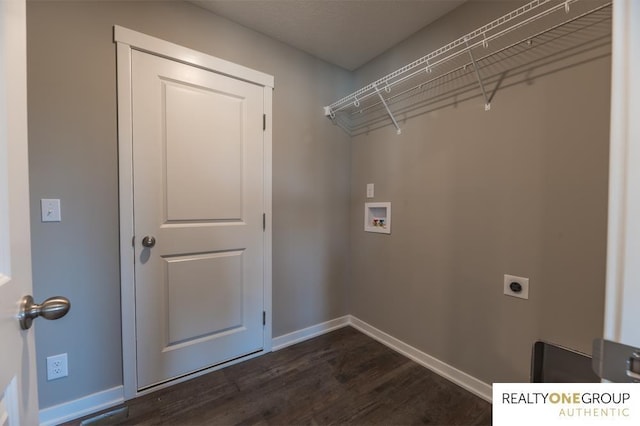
370 190
50 209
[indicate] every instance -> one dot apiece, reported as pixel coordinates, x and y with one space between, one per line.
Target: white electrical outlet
57 366
516 286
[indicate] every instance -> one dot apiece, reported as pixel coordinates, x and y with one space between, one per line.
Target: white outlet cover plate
524 282
57 366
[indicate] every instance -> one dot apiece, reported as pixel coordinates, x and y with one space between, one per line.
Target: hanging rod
463 45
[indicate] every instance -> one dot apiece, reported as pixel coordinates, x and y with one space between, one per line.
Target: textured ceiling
348 33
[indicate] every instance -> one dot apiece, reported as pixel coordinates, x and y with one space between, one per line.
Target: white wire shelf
476 64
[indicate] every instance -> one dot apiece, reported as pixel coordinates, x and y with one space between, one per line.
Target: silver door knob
148 241
51 309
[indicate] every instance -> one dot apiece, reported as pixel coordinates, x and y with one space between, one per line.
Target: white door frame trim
623 250
126 41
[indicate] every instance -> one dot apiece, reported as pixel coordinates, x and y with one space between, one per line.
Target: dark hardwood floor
343 377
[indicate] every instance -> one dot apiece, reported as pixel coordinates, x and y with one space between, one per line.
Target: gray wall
73 156
519 190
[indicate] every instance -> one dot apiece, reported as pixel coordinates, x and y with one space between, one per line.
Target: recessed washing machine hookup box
377 217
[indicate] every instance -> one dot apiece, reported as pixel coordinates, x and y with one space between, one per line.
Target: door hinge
264 121
133 241
264 222
264 317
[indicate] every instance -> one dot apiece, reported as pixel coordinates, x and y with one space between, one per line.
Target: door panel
207 288
198 189
203 146
18 385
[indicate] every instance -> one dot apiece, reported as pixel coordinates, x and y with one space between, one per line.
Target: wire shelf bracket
487 101
393 119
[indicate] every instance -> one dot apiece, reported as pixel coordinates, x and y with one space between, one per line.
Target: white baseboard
462 379
81 406
114 396
289 339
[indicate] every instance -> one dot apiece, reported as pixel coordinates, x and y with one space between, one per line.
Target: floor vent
108 418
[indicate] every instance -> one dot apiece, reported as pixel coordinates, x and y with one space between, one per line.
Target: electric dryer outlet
516 286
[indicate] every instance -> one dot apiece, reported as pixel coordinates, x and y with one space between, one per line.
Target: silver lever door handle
148 241
51 309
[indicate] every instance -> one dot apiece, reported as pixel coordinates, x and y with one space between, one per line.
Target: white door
622 313
198 173
18 386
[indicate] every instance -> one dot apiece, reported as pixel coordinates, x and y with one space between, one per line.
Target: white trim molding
112 397
623 245
82 406
166 49
298 336
126 41
127 253
460 378
268 211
